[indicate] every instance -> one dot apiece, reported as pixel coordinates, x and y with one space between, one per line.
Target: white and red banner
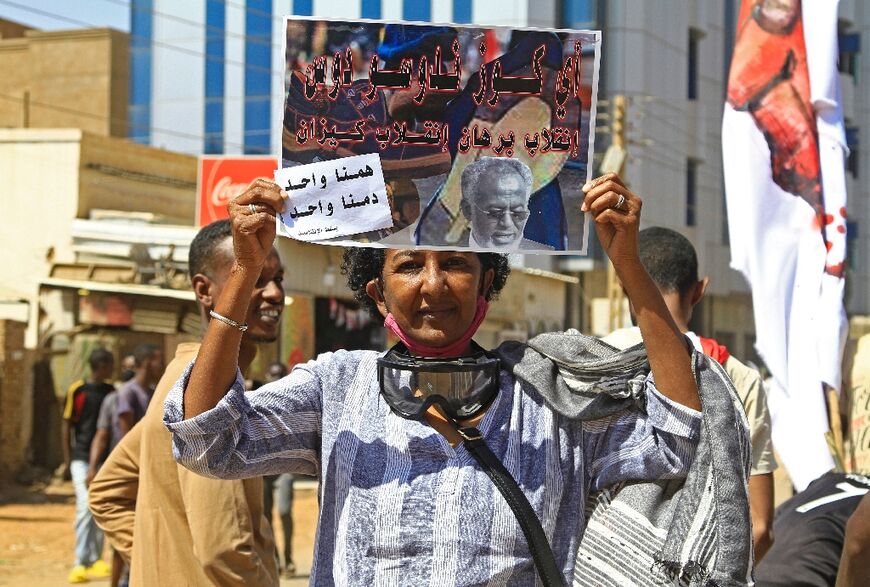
223 178
783 146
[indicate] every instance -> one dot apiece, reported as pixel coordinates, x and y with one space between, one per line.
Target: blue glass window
417 10
139 106
579 14
462 11
370 9
303 7
258 76
215 45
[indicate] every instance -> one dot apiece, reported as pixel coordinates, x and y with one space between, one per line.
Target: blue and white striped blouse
399 505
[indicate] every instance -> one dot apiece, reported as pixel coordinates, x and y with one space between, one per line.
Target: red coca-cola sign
223 178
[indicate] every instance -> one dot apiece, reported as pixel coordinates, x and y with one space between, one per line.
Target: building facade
207 75
62 79
855 85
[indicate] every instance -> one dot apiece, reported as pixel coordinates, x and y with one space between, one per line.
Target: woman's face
431 294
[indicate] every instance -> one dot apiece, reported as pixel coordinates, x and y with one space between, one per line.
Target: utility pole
614 161
25 109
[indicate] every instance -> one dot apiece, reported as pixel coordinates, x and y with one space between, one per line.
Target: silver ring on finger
253 208
619 203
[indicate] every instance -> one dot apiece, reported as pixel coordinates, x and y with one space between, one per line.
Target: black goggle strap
539 546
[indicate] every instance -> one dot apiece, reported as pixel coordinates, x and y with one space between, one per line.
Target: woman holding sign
413 446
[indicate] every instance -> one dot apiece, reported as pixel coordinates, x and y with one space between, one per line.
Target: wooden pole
25 109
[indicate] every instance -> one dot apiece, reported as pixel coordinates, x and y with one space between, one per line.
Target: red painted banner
223 178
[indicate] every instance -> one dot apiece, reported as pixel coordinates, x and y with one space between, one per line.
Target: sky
68 14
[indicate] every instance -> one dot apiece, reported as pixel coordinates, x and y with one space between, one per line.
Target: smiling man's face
267 298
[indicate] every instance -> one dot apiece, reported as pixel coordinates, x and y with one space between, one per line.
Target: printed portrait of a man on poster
438 135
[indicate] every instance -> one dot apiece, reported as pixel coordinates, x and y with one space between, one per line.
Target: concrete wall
39 186
48 177
16 400
74 78
119 175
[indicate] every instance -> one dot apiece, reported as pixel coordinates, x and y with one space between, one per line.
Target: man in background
172 525
671 261
81 410
811 529
128 368
135 395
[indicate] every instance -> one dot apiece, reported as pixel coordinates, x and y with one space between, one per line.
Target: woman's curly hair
362 264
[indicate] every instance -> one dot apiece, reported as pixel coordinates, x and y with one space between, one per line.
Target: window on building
730 30
854 149
139 107
852 248
579 14
370 9
850 49
215 49
691 191
258 77
416 10
462 11
695 37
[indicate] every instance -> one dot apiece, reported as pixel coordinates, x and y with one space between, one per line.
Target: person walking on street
81 410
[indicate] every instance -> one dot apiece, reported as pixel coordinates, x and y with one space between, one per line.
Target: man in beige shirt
671 261
175 527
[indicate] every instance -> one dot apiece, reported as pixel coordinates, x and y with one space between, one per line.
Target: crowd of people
643 457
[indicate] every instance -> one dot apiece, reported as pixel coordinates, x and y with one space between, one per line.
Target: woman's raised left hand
616 212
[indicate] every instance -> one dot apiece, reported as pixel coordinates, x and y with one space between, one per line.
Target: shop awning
119 288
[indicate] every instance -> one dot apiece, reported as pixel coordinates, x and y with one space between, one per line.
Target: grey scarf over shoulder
693 531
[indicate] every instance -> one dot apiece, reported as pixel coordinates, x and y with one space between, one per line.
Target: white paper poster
334 198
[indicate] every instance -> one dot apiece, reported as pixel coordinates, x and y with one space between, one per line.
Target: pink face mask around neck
452 350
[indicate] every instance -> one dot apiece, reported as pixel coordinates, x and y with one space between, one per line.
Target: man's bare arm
761 510
616 211
253 235
855 563
66 441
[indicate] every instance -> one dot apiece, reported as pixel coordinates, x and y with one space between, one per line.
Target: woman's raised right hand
252 217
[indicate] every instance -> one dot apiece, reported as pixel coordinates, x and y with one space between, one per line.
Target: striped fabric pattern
399 505
706 517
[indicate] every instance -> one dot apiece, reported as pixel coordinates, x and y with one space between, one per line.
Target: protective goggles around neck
462 387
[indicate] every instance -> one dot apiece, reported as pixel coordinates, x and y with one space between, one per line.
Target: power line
129 124
250 10
153 42
206 26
